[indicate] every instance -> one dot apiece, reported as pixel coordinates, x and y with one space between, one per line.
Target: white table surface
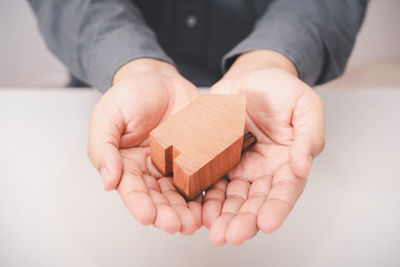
53 211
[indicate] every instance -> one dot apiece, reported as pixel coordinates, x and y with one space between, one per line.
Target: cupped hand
144 93
287 118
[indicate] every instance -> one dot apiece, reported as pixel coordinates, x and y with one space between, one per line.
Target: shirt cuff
290 37
114 49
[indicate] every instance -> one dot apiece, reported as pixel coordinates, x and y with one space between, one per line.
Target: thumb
106 126
225 86
308 122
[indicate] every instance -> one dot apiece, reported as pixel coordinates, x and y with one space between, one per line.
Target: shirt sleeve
94 38
316 35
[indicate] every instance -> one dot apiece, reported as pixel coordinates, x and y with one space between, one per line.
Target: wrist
144 65
261 59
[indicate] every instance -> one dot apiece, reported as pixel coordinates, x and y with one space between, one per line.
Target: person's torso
196 34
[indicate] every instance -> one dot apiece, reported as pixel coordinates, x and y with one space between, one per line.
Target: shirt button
191 21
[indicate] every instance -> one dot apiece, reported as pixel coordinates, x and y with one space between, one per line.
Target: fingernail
105 177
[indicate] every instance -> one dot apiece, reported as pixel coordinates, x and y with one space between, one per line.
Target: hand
287 118
144 93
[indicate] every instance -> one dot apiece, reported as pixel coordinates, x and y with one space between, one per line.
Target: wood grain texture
200 143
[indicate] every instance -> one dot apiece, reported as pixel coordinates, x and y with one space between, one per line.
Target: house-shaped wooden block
200 143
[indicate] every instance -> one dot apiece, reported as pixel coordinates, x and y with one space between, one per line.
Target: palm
153 199
132 109
262 189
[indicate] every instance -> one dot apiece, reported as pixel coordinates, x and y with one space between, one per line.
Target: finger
189 223
218 228
309 132
213 201
236 194
151 169
142 109
225 87
151 183
133 192
105 130
147 108
286 190
167 218
195 208
244 225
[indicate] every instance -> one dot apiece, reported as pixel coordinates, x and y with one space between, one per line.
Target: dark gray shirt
94 38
